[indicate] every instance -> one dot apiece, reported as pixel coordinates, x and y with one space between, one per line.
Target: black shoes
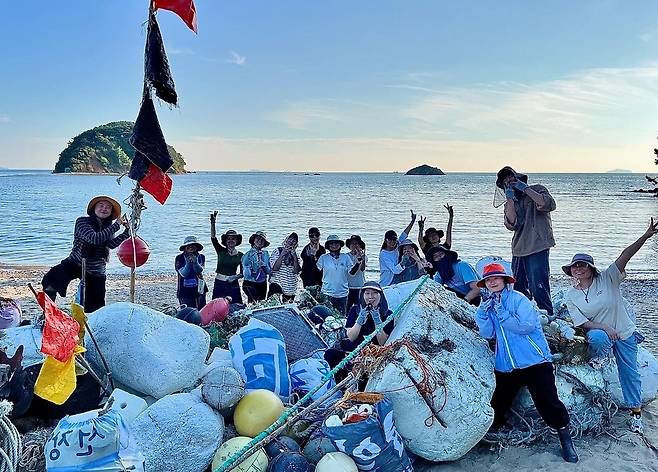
568 451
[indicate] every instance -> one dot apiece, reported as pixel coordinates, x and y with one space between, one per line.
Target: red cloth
183 8
157 183
60 332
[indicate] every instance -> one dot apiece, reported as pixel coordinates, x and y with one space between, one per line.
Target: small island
105 149
425 170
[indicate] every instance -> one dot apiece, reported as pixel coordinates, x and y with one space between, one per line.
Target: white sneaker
635 424
597 363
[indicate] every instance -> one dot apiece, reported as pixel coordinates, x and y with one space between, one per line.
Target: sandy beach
617 450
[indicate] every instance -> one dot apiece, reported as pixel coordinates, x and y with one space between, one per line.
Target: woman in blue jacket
522 355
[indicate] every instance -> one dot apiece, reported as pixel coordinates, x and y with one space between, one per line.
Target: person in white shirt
335 267
595 304
389 263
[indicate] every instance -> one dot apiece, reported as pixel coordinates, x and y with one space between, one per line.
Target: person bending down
522 355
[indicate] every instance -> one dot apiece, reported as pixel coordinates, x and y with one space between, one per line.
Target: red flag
157 183
183 8
60 332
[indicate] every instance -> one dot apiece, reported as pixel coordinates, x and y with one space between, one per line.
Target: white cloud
180 52
236 59
304 115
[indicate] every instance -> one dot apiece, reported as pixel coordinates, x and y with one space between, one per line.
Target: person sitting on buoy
189 265
522 356
595 304
454 274
362 320
229 263
93 237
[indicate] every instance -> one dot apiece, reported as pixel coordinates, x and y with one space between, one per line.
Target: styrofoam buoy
255 463
281 444
256 411
336 462
290 462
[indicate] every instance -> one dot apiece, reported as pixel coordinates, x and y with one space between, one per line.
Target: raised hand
652 229
448 207
421 222
213 216
413 216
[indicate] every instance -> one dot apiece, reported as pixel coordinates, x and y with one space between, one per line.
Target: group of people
505 313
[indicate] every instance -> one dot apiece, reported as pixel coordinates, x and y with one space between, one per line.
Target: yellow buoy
256 411
336 462
257 462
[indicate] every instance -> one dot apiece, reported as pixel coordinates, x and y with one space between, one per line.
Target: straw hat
116 207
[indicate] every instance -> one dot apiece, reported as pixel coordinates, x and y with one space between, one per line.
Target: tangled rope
135 201
10 441
374 357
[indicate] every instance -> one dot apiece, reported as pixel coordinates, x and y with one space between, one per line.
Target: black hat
434 249
580 257
430 230
262 235
506 172
232 232
357 238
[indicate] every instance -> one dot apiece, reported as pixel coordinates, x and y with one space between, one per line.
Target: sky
372 85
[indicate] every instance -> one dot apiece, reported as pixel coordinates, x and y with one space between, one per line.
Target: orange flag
60 332
183 8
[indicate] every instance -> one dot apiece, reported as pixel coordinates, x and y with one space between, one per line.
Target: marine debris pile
252 389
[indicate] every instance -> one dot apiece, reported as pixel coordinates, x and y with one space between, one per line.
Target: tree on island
105 149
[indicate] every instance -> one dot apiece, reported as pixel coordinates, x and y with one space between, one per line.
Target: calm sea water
596 213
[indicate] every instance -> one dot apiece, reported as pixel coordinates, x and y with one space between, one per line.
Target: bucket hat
333 237
357 238
116 207
189 241
232 232
580 257
408 242
434 249
506 172
495 270
262 235
431 230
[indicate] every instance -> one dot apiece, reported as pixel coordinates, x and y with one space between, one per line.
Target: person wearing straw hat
409 258
93 237
454 274
595 304
229 263
522 355
357 275
191 288
256 268
528 214
335 267
388 255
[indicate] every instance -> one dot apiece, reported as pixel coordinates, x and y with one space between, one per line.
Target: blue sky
338 85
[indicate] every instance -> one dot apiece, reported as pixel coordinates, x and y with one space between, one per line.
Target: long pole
132 283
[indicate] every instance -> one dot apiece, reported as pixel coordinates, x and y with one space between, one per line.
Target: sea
596 213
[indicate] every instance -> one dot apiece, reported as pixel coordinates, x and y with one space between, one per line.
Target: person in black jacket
93 237
310 274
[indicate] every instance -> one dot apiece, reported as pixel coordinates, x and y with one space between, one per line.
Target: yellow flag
78 314
57 381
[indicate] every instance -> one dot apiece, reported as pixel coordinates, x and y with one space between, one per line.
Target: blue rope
236 458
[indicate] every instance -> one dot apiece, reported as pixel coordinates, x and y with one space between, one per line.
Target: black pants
255 291
191 297
58 278
540 381
223 289
532 278
352 298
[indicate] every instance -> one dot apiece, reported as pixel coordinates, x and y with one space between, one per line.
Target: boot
568 451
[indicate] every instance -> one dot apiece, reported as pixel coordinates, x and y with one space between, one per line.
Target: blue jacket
515 326
251 266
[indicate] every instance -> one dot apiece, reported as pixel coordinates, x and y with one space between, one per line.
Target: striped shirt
94 244
285 277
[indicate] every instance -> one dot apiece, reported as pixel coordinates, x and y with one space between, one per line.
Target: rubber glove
509 193
376 317
520 185
363 316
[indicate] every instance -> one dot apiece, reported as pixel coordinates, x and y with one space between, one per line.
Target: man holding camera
528 214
